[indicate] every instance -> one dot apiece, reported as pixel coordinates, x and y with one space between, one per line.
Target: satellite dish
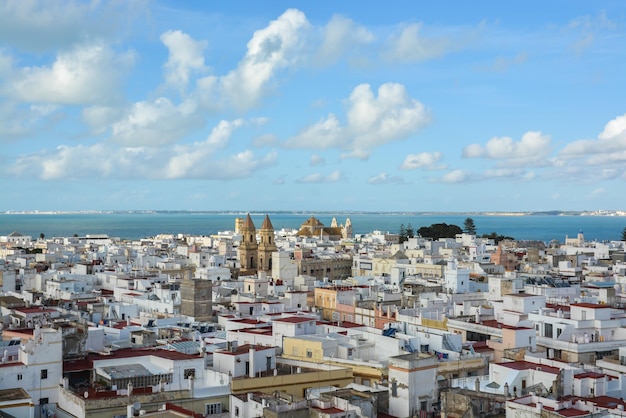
86 394
137 406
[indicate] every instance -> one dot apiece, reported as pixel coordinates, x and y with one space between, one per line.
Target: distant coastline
325 212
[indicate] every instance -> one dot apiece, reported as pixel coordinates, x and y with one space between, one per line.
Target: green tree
42 236
410 232
624 234
436 231
469 227
402 233
497 237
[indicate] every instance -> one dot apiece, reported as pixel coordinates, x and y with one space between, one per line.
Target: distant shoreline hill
308 213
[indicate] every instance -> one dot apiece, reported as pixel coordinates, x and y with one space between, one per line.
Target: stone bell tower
267 245
248 254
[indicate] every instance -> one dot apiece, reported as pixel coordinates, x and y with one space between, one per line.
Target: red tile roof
591 375
293 319
591 305
527 365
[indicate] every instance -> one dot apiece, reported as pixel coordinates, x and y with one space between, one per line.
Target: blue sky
254 105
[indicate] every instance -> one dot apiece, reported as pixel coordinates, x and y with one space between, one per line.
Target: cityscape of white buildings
315 322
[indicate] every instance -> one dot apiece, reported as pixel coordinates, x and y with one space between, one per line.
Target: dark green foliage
436 231
624 234
402 234
410 232
497 238
469 227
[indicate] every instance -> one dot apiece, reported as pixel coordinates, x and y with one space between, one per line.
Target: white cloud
333 177
371 121
456 176
220 135
156 123
508 174
341 35
609 148
426 160
532 149
411 45
106 160
185 56
269 50
100 118
87 74
326 133
40 25
317 160
384 178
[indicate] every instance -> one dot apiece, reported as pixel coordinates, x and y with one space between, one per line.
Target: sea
136 225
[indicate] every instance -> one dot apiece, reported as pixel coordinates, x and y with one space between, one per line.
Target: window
547 330
212 408
44 373
309 353
189 373
236 411
19 376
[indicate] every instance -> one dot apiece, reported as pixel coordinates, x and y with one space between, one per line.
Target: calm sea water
140 225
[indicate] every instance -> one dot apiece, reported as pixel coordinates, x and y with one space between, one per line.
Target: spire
248 224
267 224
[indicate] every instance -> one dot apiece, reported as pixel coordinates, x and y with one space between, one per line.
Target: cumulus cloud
269 50
371 121
611 140
185 56
156 123
333 177
531 150
340 36
106 160
384 178
603 158
426 160
86 74
220 135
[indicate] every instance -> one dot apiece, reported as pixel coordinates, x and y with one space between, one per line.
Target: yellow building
320 350
294 378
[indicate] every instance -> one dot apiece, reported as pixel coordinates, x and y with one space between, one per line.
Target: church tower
347 230
248 256
267 245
